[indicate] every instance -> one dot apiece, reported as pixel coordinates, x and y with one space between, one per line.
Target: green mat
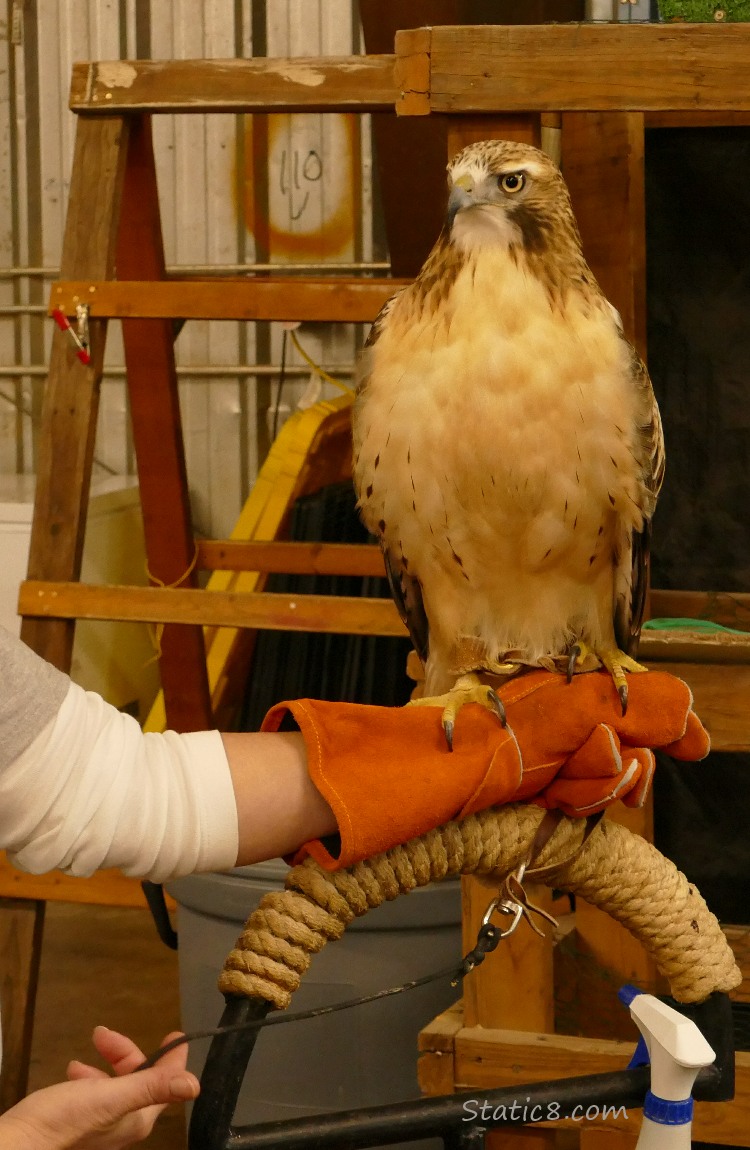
688 625
700 11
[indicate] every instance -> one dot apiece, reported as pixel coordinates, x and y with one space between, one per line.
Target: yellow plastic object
260 519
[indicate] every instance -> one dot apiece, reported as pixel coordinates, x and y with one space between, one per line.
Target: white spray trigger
676 1047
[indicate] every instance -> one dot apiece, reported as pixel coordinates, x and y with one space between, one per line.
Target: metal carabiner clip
503 905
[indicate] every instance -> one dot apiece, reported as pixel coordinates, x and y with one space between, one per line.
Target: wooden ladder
113 263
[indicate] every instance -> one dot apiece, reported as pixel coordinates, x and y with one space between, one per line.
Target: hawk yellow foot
468 688
616 662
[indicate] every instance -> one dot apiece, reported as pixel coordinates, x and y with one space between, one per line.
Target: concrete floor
104 965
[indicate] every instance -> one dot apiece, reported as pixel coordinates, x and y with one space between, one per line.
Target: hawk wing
631 577
407 595
405 589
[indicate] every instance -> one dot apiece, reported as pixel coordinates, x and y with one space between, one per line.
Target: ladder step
331 299
264 611
290 558
322 84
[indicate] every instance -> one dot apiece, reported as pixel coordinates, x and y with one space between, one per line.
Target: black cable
487 939
279 386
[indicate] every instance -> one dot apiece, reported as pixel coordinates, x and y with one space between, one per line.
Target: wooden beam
721 697
603 164
485 1058
331 299
412 71
482 1058
71 396
337 614
588 68
108 887
684 645
322 84
290 558
21 928
158 441
697 119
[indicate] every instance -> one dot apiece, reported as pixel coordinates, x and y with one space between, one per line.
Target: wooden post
21 924
71 398
602 161
603 164
157 436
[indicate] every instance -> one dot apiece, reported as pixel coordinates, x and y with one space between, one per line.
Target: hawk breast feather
508 447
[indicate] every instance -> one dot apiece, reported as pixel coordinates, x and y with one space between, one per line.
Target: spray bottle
677 1051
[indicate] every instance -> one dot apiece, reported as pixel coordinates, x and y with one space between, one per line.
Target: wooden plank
590 68
435 1045
513 986
290 558
21 927
315 299
335 84
71 398
603 164
485 1058
157 438
729 608
264 611
105 888
464 130
412 71
673 120
603 1139
721 696
683 645
608 955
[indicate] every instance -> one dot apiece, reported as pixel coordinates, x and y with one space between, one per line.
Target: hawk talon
467 689
573 657
622 691
498 706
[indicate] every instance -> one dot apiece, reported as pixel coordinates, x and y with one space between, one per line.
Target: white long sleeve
90 790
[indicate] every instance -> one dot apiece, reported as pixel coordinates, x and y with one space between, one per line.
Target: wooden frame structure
602 85
599 86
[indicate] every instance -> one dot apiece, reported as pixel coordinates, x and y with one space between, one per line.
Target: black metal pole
436 1117
223 1074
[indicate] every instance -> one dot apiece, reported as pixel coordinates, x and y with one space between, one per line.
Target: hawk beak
461 197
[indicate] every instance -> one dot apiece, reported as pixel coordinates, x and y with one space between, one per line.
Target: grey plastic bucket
359 1057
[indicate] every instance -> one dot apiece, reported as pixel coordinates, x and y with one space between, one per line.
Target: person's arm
93 1111
278 806
82 787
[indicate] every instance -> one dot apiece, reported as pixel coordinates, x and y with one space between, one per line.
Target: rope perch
612 869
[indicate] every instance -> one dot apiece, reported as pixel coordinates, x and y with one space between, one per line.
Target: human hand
94 1111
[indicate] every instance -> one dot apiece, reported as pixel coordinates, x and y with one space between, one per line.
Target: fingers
124 1056
99 1112
117 1049
76 1071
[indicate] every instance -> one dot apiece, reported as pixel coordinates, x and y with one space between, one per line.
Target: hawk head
512 195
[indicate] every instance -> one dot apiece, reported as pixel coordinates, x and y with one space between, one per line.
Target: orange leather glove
388 775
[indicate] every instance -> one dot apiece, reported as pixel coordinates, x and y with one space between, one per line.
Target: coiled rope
611 868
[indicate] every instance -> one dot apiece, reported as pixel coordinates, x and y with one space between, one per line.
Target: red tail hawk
508 446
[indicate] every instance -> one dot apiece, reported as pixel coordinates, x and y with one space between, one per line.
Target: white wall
315 179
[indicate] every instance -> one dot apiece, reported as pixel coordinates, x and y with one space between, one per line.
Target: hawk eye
512 182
